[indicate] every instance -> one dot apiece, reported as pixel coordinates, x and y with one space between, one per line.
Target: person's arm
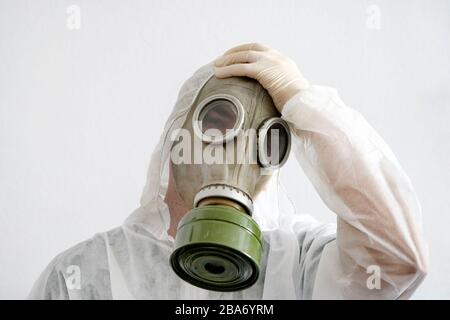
359 178
356 175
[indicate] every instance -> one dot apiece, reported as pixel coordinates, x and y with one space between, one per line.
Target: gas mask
229 145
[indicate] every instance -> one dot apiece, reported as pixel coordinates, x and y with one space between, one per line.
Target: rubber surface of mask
231 142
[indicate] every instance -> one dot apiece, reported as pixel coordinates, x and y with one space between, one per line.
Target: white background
81 110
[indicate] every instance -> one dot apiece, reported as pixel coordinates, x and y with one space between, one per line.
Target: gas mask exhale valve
218 245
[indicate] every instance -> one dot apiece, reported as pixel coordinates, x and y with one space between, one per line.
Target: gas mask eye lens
218 118
276 150
219 114
274 143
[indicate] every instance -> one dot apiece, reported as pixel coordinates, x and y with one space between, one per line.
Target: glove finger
246 47
248 56
236 70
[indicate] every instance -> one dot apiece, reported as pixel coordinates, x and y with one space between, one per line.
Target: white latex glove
277 73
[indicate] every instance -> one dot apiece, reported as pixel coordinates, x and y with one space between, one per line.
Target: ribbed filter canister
217 248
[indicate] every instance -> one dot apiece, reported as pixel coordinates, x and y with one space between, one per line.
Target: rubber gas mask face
231 142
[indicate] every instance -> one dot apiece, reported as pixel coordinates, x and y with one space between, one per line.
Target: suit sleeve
379 251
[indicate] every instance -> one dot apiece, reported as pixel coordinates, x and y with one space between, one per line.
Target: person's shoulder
81 252
80 271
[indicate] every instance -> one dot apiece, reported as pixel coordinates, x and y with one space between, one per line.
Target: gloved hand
277 73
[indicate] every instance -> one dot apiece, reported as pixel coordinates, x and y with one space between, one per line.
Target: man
376 250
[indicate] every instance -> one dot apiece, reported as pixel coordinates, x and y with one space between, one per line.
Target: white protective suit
355 174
